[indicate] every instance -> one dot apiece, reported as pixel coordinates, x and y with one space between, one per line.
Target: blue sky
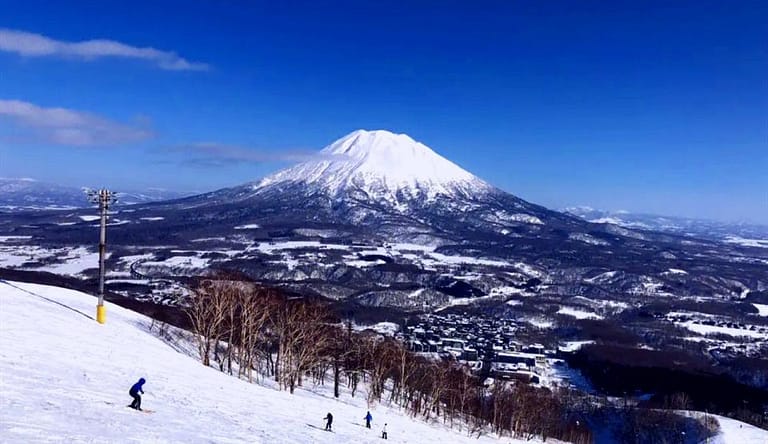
645 106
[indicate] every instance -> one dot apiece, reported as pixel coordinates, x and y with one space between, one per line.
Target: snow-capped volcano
380 164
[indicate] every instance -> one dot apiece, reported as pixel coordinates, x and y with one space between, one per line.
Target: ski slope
65 378
737 432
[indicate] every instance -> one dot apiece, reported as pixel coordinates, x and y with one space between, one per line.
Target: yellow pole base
101 314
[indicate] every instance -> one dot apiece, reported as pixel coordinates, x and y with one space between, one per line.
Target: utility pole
104 198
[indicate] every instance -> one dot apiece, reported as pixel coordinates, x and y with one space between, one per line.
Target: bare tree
301 331
207 313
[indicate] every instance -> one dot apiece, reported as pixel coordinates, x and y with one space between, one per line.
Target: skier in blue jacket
134 392
368 418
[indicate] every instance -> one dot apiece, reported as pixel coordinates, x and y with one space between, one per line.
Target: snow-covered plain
66 380
578 314
761 243
66 260
703 329
76 261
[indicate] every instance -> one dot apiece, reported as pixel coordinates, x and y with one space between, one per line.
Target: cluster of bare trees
228 317
242 326
245 328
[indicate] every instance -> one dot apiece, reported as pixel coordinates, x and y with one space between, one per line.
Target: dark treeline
257 332
617 371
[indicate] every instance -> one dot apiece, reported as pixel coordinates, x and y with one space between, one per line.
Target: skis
142 410
320 428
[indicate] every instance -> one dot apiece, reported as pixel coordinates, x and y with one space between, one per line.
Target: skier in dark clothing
134 392
368 419
328 418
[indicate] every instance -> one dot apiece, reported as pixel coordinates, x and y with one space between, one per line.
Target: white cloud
210 154
69 127
28 44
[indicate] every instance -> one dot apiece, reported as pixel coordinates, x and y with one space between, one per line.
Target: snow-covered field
762 309
75 262
14 238
762 243
247 227
424 256
66 380
68 260
587 239
578 314
385 328
709 329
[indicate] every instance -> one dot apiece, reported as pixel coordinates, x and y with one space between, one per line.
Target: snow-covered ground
578 314
385 328
76 261
422 255
762 309
66 380
588 239
708 329
737 432
601 277
14 238
763 243
572 346
247 227
67 260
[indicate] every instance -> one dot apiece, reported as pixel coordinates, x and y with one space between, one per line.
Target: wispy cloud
28 44
63 126
211 154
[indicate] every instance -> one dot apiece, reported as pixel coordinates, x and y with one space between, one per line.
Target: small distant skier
134 392
384 431
368 419
329 419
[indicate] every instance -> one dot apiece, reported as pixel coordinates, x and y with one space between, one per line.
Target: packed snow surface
382 164
67 379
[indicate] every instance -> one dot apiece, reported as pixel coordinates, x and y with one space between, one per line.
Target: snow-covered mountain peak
381 164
